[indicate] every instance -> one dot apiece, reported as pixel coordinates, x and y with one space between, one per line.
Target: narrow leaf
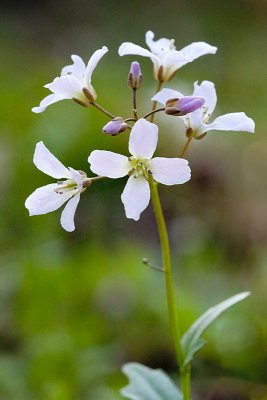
148 384
191 339
193 349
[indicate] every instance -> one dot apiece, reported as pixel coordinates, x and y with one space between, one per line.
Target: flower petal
170 171
195 121
173 60
50 99
46 162
77 177
135 197
207 90
45 199
67 87
129 48
107 163
92 63
143 139
166 94
198 49
233 122
77 68
160 46
67 216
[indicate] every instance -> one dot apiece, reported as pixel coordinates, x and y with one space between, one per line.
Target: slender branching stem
146 262
130 119
97 178
184 150
100 108
154 112
154 104
135 104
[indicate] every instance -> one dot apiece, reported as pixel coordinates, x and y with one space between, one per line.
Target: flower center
66 186
139 167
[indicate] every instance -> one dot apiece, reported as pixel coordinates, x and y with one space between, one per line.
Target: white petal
170 171
77 177
160 46
129 48
135 197
92 63
233 122
207 90
46 162
143 139
67 216
198 49
44 199
50 99
173 60
67 87
166 94
77 68
107 163
196 121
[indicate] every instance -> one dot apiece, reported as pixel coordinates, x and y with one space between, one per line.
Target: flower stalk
103 110
185 148
154 104
154 112
171 301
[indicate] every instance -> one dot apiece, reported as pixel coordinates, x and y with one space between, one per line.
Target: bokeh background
75 307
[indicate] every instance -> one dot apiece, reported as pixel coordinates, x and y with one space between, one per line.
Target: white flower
50 197
74 82
142 145
165 57
198 120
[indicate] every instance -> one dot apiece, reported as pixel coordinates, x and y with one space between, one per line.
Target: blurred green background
75 307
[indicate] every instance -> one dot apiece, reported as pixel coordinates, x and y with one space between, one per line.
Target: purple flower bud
185 105
135 76
114 127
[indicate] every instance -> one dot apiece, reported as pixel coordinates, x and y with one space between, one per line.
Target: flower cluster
142 170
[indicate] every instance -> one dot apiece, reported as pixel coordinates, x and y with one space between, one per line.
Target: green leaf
193 349
148 384
191 341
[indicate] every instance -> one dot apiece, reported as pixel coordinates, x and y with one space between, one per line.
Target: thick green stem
186 382
172 309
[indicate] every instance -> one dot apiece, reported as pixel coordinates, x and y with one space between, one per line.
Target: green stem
134 105
154 104
184 150
103 110
154 112
172 309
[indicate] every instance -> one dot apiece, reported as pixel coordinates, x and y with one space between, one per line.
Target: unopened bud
135 76
185 105
114 127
